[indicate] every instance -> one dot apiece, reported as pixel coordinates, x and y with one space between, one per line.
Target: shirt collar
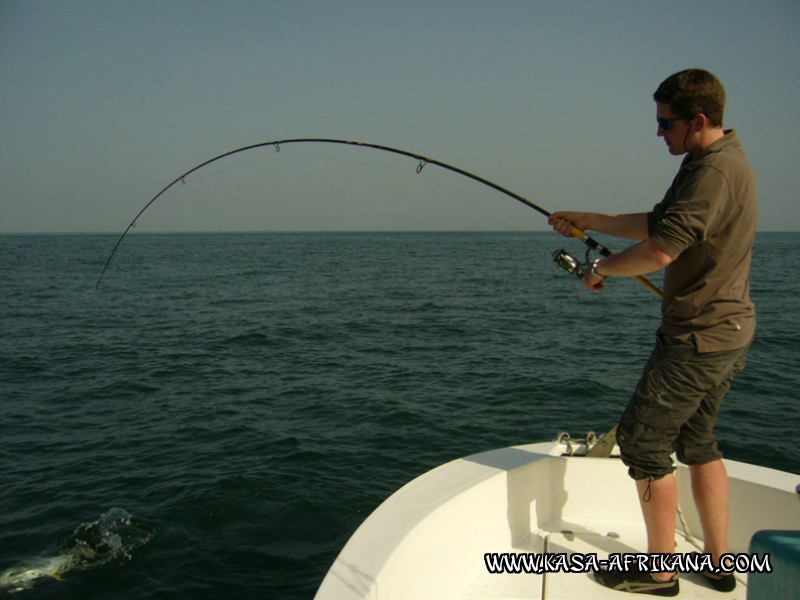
725 141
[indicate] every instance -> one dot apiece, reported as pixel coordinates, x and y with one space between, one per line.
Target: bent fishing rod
561 257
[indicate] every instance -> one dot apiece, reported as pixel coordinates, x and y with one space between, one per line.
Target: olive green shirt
706 223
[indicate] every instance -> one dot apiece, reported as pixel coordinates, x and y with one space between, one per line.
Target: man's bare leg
659 501
711 497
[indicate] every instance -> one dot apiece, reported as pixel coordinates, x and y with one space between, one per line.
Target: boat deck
430 538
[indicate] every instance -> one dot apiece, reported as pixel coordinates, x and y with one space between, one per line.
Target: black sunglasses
666 124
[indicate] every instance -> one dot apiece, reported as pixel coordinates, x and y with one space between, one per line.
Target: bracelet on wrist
594 270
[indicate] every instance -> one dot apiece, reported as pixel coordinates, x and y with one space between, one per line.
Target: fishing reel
570 264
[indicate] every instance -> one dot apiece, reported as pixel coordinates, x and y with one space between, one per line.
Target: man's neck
707 138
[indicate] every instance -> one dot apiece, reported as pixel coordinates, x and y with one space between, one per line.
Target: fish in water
112 537
25 574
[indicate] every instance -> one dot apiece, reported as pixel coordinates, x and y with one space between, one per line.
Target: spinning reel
570 264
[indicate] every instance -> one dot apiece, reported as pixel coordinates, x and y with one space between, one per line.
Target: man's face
673 129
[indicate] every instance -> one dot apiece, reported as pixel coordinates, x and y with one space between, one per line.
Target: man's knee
645 450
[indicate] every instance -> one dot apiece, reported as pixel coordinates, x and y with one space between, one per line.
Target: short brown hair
692 92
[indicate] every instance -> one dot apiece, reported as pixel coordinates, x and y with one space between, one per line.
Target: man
702 232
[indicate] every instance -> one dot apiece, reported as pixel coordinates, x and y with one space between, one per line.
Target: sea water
223 412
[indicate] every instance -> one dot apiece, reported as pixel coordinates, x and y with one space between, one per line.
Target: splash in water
114 536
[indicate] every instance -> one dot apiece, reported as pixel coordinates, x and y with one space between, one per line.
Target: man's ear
700 122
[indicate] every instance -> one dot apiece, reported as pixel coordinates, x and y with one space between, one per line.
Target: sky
104 102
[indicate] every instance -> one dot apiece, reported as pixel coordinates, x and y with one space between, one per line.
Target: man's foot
722 582
638 582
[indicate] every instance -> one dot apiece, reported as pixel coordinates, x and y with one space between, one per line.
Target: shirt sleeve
693 212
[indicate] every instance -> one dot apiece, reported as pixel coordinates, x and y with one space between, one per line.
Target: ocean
222 413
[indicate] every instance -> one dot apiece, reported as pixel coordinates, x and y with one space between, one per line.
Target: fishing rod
562 258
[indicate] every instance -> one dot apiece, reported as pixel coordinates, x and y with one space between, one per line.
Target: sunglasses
666 124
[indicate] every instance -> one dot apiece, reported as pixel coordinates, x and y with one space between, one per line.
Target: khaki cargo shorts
674 407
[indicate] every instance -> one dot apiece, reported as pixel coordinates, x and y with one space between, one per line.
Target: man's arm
639 259
630 226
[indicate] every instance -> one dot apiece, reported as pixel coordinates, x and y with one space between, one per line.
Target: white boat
431 538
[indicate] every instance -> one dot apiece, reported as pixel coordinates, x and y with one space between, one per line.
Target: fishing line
211 172
422 162
392 168
475 204
223 169
347 161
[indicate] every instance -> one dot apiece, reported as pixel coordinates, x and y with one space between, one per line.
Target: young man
702 232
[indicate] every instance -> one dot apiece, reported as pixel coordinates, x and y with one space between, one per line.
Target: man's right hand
564 222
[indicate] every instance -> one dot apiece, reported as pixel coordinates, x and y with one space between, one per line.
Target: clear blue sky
104 102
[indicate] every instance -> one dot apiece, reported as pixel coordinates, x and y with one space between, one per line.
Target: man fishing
702 232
